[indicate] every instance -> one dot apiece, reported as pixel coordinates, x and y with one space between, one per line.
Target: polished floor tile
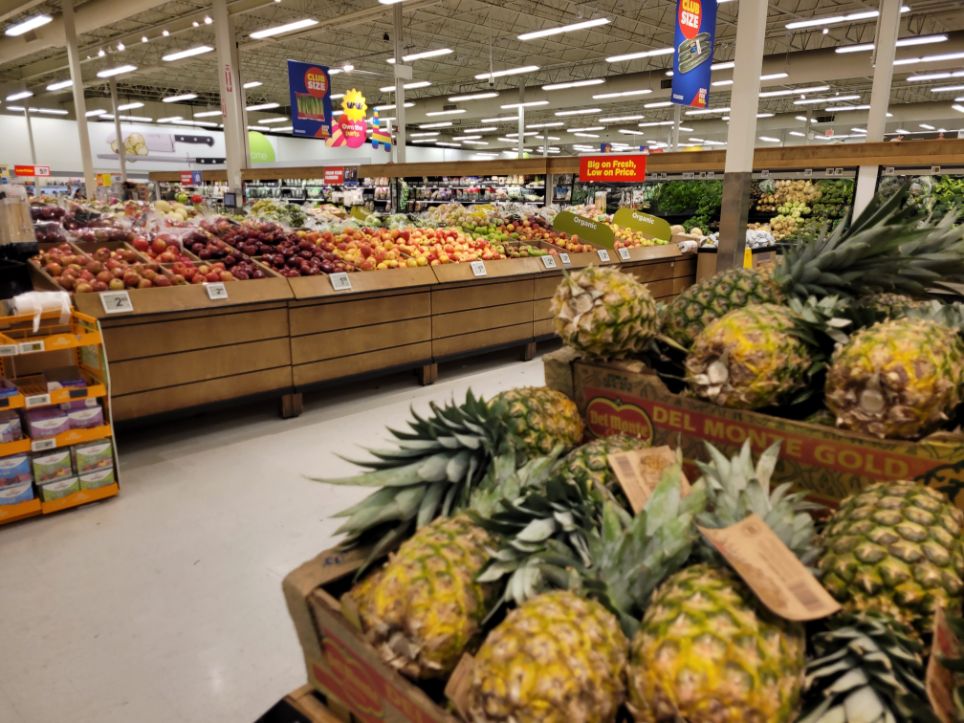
165 603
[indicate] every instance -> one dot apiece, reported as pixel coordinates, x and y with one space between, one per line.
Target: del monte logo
611 416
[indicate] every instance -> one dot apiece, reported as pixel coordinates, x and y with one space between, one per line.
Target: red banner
31 170
334 176
612 169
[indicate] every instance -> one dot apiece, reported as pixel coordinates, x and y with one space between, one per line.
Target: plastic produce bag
38 302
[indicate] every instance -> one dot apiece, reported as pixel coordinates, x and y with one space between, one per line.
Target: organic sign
309 86
593 232
612 169
638 221
695 31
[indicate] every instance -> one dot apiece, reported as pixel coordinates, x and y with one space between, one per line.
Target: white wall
57 146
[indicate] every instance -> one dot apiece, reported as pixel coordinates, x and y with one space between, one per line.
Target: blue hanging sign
695 35
310 88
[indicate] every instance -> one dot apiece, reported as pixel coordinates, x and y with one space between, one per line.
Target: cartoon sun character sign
351 129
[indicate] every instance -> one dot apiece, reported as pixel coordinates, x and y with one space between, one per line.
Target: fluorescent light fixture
769 139
421 56
37 21
170 119
901 43
795 91
337 96
516 135
449 145
621 118
947 89
527 104
553 124
623 94
583 25
389 106
696 140
684 128
501 119
508 71
96 111
798 134
574 84
846 108
208 114
726 65
958 108
119 70
659 104
765 115
581 111
443 124
774 76
263 106
801 118
721 83
631 133
859 130
465 138
17 108
136 118
711 143
837 19
60 85
429 134
930 59
254 84
130 106
587 129
179 98
407 86
639 55
20 95
935 76
835 99
901 130
259 128
454 111
47 111
475 143
926 126
708 111
483 129
272 121
472 96
653 124
189 53
282 29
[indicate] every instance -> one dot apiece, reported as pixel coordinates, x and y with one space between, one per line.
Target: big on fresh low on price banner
310 88
695 35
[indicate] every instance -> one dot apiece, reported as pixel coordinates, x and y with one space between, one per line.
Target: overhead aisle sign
695 35
310 89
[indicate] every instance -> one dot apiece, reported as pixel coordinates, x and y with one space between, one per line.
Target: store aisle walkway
165 604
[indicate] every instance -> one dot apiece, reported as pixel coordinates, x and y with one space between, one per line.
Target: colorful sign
38 171
190 178
612 169
695 35
593 232
351 129
310 89
381 134
638 221
334 176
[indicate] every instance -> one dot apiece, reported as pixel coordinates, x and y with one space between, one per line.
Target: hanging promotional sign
37 171
334 176
351 128
612 169
695 34
310 89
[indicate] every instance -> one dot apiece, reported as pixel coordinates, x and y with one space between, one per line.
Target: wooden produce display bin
628 398
382 322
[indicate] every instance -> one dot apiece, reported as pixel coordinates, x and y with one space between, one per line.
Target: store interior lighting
571 28
284 29
25 26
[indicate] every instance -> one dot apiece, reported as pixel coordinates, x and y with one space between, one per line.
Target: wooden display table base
304 705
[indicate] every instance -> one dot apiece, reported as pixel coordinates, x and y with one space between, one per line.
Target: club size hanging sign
695 35
310 89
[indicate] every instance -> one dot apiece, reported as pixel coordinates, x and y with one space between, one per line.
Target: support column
741 135
885 48
399 87
232 95
121 148
33 150
80 103
677 119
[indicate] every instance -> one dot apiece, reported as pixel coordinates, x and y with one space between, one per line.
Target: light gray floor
165 603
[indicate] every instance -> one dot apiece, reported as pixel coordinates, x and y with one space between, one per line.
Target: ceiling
483 35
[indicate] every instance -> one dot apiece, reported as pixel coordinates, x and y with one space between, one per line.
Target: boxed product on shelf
93 456
10 427
46 422
61 377
53 465
86 417
15 469
97 478
7 388
16 493
59 489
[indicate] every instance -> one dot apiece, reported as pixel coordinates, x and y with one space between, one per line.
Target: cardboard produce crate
341 664
628 398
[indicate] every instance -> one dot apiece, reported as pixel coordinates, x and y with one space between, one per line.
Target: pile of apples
163 248
300 255
254 238
104 270
629 239
535 229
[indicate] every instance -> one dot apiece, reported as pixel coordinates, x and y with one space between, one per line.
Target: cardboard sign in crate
629 398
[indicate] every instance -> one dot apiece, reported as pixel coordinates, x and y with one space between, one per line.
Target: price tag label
340 281
624 254
829 172
9 350
478 268
549 261
808 172
42 445
839 171
566 261
702 174
36 400
889 171
217 291
935 169
603 255
711 174
30 347
765 173
663 176
688 174
640 471
116 302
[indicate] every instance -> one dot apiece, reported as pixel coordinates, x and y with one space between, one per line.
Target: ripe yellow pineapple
588 465
708 652
604 313
558 658
539 418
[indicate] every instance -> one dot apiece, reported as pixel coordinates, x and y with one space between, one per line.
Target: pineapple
889 306
604 313
558 657
444 457
897 379
868 667
707 650
880 251
588 465
895 548
424 607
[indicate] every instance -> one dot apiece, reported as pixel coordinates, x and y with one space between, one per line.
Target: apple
116 285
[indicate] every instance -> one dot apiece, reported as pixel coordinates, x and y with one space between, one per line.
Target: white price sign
340 281
36 400
624 254
603 255
549 261
217 291
116 302
42 445
9 350
30 347
566 261
478 268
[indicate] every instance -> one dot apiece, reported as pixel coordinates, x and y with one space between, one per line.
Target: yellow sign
104 179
